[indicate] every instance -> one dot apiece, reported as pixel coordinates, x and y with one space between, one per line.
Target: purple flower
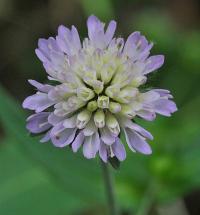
97 94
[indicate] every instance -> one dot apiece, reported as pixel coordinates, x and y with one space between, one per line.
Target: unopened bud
103 102
136 82
114 107
99 118
83 118
112 124
92 106
98 86
127 111
112 91
127 94
85 93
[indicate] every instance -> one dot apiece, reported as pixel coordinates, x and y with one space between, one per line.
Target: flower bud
136 82
107 74
83 118
127 94
72 103
114 107
127 111
98 86
112 91
85 93
92 106
103 102
112 124
99 118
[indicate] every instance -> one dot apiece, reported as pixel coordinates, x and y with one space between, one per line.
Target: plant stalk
109 188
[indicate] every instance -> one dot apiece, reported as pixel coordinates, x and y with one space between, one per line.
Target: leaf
73 178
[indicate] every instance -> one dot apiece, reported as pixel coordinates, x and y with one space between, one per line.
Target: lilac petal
90 128
57 129
103 153
106 136
93 24
149 96
129 124
68 41
163 93
110 31
165 107
70 122
63 33
41 55
37 102
76 38
38 123
64 138
54 119
119 150
130 44
153 63
58 61
41 87
142 131
46 137
78 142
96 32
136 142
44 49
146 114
91 145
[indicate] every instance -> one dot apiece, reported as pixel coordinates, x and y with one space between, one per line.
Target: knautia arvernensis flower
96 91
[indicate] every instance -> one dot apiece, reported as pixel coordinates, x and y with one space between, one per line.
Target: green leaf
63 174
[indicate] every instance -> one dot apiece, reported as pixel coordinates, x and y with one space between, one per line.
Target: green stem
109 186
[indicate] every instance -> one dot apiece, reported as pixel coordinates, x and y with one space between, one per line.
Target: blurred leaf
77 178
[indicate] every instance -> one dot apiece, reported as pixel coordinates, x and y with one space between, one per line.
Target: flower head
97 94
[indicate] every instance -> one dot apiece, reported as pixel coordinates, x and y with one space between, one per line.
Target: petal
54 119
148 115
37 102
103 152
76 38
129 124
41 55
78 142
64 138
41 87
106 136
91 145
110 31
163 93
165 107
70 122
38 123
46 137
136 142
68 40
90 128
149 96
93 24
119 150
153 63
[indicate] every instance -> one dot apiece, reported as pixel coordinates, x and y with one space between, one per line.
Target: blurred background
40 179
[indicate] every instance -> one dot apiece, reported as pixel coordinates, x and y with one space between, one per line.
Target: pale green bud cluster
107 89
